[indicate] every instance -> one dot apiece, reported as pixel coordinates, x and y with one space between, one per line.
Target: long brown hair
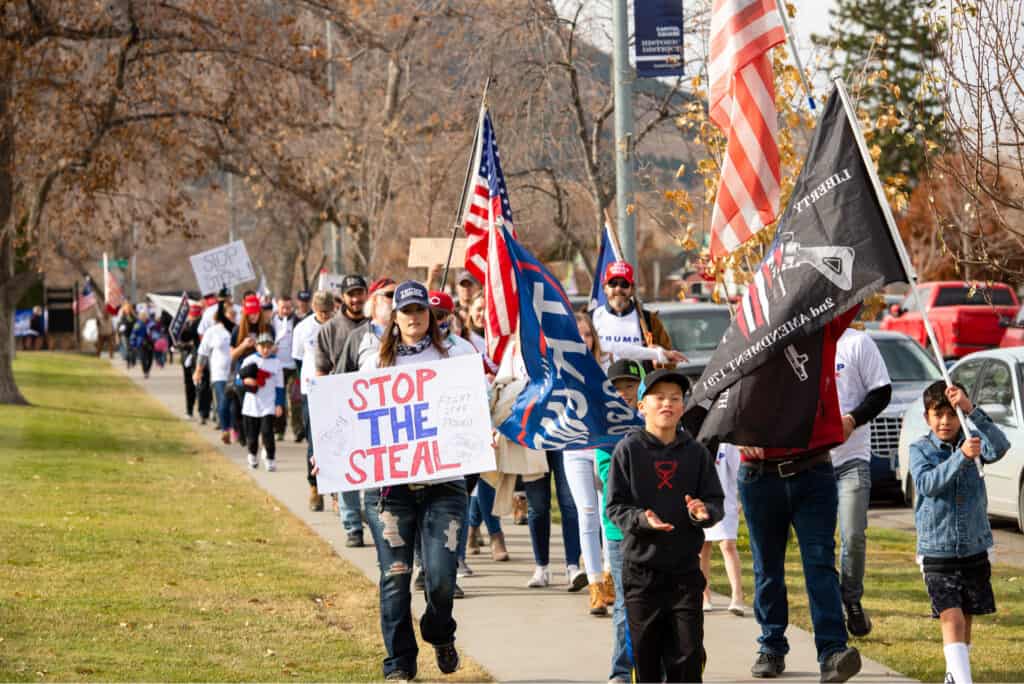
262 325
392 336
583 317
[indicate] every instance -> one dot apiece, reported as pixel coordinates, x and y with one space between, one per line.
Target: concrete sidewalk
517 634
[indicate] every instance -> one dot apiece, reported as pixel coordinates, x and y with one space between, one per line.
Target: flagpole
901 249
457 223
648 337
106 294
796 55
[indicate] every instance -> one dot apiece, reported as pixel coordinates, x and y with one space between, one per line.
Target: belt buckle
784 474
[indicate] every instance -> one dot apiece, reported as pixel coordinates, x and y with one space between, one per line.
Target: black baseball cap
662 375
304 295
624 369
465 275
353 282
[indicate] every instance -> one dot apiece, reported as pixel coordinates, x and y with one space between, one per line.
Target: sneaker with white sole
737 609
708 607
575 579
253 461
541 578
464 569
270 464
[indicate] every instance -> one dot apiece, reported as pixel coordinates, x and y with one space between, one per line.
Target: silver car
695 329
993 380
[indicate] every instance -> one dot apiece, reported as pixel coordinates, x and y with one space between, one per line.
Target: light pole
335 238
232 227
622 81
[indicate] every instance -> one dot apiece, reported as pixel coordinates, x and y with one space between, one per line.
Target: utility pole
232 227
132 290
622 81
334 240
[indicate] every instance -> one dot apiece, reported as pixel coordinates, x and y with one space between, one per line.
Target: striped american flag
742 105
486 211
755 306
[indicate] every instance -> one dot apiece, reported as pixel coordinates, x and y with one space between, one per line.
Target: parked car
911 369
695 329
1014 335
876 322
993 379
966 317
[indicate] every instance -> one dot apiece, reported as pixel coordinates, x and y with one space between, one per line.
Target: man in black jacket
188 345
663 491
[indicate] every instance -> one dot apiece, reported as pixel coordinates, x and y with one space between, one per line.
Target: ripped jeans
432 515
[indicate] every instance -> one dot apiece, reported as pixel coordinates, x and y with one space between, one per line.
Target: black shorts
964 583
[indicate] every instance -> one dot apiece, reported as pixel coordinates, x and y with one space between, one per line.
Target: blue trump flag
605 256
569 403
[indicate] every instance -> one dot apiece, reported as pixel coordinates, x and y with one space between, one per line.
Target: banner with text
658 38
180 317
224 266
401 425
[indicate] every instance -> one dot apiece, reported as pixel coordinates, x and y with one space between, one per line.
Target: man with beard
618 322
302 306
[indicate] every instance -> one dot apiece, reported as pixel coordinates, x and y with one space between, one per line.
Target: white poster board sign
431 251
401 425
224 266
330 282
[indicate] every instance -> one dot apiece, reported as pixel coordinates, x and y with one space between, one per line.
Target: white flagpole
106 295
901 249
796 55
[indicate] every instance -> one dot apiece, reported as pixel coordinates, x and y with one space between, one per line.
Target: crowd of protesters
639 522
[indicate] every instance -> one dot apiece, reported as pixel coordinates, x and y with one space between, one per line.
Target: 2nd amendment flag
832 249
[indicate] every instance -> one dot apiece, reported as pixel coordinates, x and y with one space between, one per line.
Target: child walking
953 532
663 490
263 381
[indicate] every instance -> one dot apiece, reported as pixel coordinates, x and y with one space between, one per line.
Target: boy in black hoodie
662 491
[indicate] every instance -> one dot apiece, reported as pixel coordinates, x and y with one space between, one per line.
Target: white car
993 380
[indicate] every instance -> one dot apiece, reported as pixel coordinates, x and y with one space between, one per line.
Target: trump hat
619 269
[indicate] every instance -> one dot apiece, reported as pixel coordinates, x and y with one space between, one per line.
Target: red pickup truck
967 317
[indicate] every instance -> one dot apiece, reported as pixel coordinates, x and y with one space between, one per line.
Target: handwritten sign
224 266
430 251
401 425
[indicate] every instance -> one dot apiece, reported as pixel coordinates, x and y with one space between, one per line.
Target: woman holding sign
428 514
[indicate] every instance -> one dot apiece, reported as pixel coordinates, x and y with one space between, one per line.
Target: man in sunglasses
617 324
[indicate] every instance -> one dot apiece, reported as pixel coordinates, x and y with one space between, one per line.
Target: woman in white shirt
215 351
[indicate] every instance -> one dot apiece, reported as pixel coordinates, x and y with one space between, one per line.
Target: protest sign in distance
401 425
330 282
427 252
180 317
224 266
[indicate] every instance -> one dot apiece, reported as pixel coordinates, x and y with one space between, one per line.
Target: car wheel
909 493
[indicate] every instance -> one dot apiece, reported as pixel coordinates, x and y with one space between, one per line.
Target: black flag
180 316
767 383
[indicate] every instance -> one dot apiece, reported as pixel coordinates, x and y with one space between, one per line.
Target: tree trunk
11 285
283 275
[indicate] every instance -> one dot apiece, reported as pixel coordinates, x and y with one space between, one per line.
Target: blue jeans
538 499
622 661
854 481
480 507
431 516
808 502
223 409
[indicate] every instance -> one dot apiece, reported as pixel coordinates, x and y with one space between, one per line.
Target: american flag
115 295
86 298
755 305
486 212
742 105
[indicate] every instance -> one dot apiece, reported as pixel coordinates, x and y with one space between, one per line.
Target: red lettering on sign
379 382
421 459
437 459
423 375
354 467
394 452
396 393
357 388
378 462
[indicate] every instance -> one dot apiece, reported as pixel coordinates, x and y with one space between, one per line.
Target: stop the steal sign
401 425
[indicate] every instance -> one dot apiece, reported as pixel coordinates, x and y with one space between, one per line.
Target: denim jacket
951 511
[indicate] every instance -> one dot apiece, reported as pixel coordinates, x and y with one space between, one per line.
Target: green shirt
604 462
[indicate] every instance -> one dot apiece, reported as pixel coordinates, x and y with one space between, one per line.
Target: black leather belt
793 467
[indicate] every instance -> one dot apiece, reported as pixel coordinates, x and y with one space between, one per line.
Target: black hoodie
649 474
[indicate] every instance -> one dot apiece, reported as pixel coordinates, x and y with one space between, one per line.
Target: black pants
146 354
281 424
200 392
666 623
260 427
236 398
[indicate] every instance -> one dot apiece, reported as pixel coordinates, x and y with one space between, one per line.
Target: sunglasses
390 294
620 283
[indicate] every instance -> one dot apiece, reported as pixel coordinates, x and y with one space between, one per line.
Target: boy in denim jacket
953 533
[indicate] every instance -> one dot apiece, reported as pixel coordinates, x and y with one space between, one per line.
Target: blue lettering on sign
408 423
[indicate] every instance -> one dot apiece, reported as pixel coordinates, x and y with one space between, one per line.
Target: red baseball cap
619 269
195 309
380 284
251 305
441 300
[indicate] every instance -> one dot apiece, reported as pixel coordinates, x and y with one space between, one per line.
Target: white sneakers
575 579
464 569
253 461
268 463
541 578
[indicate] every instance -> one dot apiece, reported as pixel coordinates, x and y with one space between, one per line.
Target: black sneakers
398 676
841 665
768 666
354 540
458 593
447 658
857 621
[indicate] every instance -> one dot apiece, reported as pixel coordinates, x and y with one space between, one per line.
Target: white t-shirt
207 320
216 345
304 349
860 369
283 331
262 402
727 465
621 337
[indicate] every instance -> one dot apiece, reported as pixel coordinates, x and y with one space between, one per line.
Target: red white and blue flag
755 306
86 298
487 215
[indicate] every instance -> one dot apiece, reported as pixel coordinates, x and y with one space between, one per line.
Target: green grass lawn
905 637
130 550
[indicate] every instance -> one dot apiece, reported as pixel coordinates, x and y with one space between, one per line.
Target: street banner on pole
659 37
180 316
401 425
224 266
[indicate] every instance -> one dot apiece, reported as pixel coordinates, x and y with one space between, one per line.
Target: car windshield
697 330
907 362
965 296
